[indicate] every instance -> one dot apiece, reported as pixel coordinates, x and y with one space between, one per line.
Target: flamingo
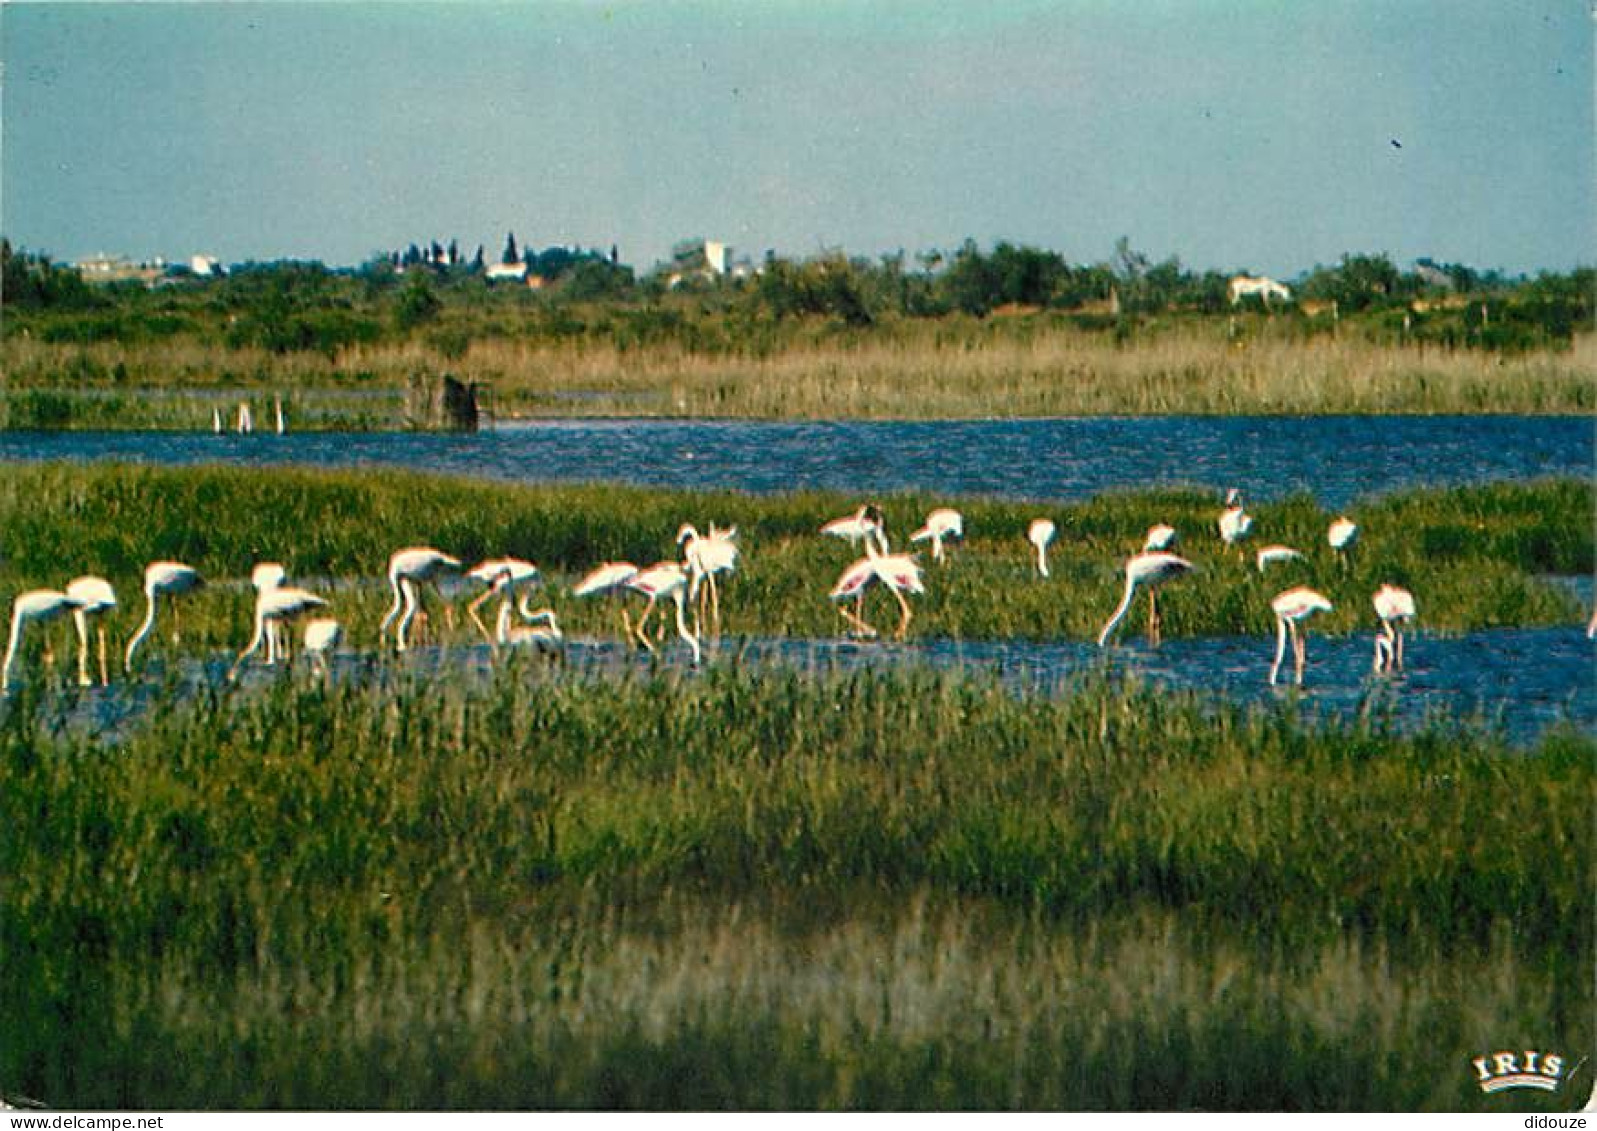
490 573
1341 535
944 522
170 578
264 577
41 605
1151 569
861 524
246 423
706 556
1591 629
407 569
1293 607
216 421
274 607
322 636
1040 533
545 638
609 578
94 596
1393 606
899 573
663 579
1235 523
1159 537
1273 555
277 407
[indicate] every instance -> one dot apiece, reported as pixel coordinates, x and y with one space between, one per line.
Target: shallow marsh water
1516 682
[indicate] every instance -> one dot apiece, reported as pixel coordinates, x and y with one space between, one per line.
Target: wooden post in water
442 403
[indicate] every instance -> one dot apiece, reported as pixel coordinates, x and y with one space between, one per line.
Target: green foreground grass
780 890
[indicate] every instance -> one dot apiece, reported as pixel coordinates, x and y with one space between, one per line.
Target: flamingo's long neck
144 628
1120 610
1280 648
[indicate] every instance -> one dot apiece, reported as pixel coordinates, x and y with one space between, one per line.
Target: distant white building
515 271
205 266
717 257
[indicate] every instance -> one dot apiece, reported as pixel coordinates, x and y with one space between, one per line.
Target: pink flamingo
899 573
1292 608
1151 570
171 579
1393 606
663 579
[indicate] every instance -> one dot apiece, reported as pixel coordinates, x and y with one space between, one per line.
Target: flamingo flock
686 584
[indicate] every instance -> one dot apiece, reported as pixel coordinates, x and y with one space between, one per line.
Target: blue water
1515 682
1336 459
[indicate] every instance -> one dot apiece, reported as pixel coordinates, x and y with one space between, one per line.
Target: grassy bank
780 890
1032 365
1475 557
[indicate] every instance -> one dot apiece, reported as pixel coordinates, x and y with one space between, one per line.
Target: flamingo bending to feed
267 576
1040 533
609 579
544 637
1273 555
706 556
1293 607
493 572
172 579
94 596
1160 536
273 608
899 573
36 605
663 579
942 523
1393 606
322 635
1151 569
863 523
407 570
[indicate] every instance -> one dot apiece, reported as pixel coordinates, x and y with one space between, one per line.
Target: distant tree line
432 289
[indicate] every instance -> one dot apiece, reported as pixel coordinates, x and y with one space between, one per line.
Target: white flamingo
170 579
941 524
663 579
541 632
1160 536
322 637
609 580
1341 535
274 607
515 571
1275 555
706 556
1040 533
1292 608
861 524
408 569
264 577
1146 570
36 606
1235 523
1394 607
94 596
898 573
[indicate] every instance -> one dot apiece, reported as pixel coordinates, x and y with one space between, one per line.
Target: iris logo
1500 1071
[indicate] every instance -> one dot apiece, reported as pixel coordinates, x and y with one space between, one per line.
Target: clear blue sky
1234 134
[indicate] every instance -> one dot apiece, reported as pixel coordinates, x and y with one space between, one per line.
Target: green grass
778 889
1474 557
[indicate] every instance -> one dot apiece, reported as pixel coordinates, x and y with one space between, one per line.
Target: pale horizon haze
1236 136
